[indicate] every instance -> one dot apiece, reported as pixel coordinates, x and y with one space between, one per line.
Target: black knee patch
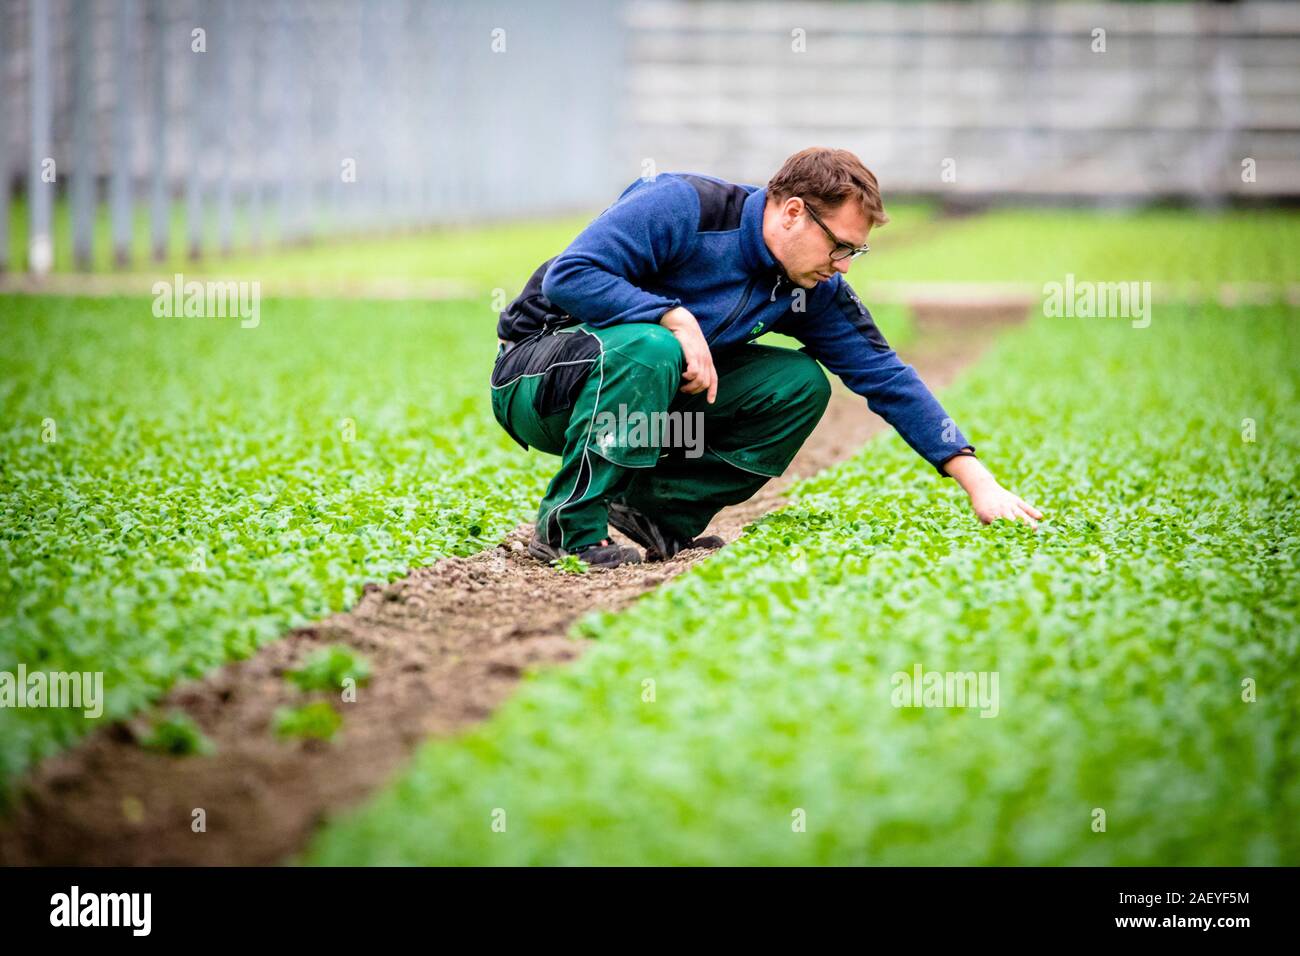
562 359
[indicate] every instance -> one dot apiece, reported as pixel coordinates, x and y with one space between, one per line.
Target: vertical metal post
219 108
120 169
40 245
258 74
83 154
160 196
196 144
285 77
4 146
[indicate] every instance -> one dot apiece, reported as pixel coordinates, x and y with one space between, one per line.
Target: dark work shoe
602 554
710 542
659 544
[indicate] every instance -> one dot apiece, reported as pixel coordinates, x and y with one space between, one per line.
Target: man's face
802 246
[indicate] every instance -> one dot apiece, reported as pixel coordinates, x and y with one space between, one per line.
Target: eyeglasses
842 250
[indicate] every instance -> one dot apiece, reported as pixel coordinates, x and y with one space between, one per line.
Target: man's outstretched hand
700 373
989 500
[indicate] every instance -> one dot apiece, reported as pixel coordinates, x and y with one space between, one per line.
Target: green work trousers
630 434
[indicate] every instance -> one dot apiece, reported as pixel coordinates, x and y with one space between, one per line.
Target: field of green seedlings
747 713
177 492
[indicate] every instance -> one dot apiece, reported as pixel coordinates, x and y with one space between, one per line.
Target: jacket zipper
749 291
779 280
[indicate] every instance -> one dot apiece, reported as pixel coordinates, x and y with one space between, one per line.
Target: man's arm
599 277
838 331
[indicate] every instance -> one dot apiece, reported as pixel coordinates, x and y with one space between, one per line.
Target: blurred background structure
211 125
244 122
1049 98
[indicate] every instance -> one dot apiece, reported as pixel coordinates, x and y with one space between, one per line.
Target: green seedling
570 564
328 668
177 734
317 721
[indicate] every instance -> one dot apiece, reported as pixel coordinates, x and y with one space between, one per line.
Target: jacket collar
758 258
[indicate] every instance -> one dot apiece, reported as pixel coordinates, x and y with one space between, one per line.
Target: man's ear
791 210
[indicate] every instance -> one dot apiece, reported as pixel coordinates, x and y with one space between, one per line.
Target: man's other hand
700 374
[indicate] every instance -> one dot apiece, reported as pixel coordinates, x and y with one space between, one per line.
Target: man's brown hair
828 177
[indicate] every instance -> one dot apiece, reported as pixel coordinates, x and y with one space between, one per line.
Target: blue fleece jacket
685 239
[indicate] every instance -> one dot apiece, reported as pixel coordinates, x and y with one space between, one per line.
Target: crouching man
653 309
